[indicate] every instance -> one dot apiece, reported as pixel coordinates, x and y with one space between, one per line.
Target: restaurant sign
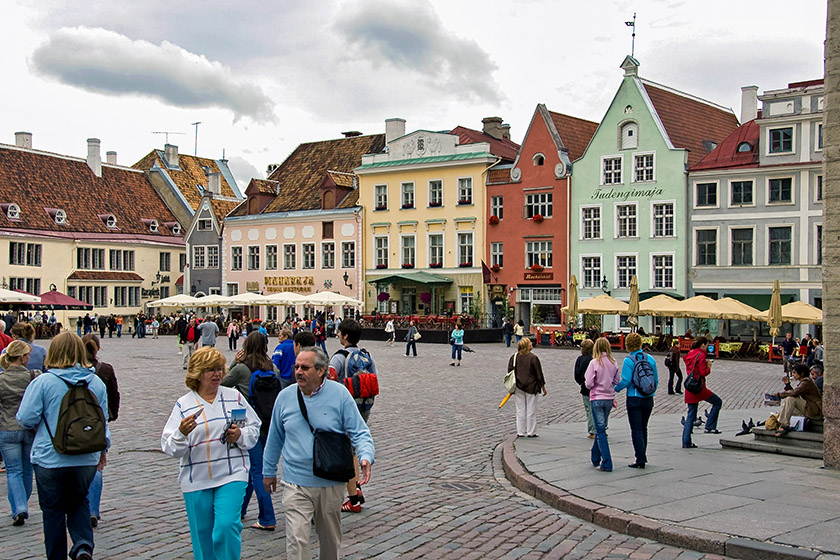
625 194
539 276
299 284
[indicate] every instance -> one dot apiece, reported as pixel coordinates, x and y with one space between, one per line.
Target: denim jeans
638 414
691 416
95 494
62 495
600 455
255 486
507 339
15 446
456 351
411 344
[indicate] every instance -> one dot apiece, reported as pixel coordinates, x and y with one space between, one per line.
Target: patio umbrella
12 296
797 312
633 305
284 298
601 305
774 314
572 302
56 300
179 300
245 298
733 309
331 298
659 306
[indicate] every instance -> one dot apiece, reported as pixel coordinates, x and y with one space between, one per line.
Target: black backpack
81 423
262 392
644 378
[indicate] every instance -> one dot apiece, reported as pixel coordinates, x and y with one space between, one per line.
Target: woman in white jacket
211 429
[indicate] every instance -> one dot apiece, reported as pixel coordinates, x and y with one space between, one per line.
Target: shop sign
299 284
624 194
150 293
497 290
539 276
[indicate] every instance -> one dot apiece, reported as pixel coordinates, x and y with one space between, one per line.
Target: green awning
759 301
424 160
411 277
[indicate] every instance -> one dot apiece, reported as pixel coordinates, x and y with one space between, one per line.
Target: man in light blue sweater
305 496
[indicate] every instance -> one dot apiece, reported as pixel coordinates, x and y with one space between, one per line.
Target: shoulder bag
332 452
510 378
693 383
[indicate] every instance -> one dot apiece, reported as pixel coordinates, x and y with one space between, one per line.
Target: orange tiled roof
342 179
192 173
690 120
223 207
105 275
36 180
575 133
726 155
265 186
499 176
505 149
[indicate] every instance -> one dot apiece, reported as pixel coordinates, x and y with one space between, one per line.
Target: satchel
693 384
510 378
417 336
332 452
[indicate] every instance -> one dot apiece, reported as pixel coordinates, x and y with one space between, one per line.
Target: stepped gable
190 172
504 148
576 133
300 175
689 120
37 181
726 155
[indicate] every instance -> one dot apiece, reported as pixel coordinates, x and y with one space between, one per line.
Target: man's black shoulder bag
332 452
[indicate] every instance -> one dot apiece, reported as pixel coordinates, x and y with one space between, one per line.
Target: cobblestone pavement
437 489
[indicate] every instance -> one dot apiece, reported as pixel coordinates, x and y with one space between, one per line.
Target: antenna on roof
633 44
167 133
196 123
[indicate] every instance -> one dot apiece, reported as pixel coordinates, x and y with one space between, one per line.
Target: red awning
56 300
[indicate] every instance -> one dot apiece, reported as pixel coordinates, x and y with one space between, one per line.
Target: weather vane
633 25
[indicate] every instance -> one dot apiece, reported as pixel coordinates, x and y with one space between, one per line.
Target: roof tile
505 149
575 133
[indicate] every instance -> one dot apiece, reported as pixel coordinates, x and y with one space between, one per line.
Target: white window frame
818 178
617 277
624 125
199 260
303 256
403 260
293 256
352 252
466 296
377 249
497 206
729 202
380 199
695 184
820 139
600 274
429 257
471 246
533 257
792 190
789 226
637 155
204 221
792 151
730 228
269 257
602 171
497 253
439 182
600 209
233 257
673 270
465 186
539 201
408 195
815 261
325 253
616 219
211 249
232 289
653 205
695 231
256 254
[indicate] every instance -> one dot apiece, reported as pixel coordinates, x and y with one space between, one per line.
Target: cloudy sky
262 77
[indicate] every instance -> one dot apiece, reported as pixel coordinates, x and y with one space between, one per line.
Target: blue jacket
627 375
43 397
284 358
36 356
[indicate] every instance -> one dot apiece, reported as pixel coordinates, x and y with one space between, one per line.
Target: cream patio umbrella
797 312
572 302
774 314
330 299
659 306
633 305
11 296
179 300
601 305
733 309
284 298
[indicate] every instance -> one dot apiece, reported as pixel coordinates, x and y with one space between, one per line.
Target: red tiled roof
103 275
807 83
726 155
36 180
265 186
192 173
689 120
222 207
575 133
505 149
499 176
342 179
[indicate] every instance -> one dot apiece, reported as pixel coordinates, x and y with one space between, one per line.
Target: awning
759 301
413 277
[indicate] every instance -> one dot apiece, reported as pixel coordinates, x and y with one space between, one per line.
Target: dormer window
12 211
629 136
176 229
58 215
744 147
539 159
153 226
109 219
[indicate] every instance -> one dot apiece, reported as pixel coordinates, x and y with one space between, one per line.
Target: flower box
406 265
464 201
381 266
382 207
538 218
435 265
465 264
407 206
537 268
494 220
384 296
495 268
435 204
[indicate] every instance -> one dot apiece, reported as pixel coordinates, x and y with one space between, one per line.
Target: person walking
457 340
189 338
672 362
411 339
213 453
529 382
284 357
105 372
155 327
307 497
63 480
639 398
15 441
507 331
581 364
697 366
232 334
601 376
208 329
519 330
119 320
25 332
389 328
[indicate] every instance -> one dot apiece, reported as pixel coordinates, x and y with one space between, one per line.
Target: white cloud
244 171
102 61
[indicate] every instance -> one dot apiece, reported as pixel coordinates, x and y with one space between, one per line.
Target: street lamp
346 278
605 285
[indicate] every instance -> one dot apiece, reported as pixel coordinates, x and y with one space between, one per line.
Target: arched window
539 159
629 136
744 147
13 211
329 200
153 226
60 217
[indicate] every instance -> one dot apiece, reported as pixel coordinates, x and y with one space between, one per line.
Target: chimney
94 157
351 133
749 103
214 183
270 169
493 127
506 131
394 128
23 139
170 153
111 158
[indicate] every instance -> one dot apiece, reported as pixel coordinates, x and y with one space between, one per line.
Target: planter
537 268
435 205
407 206
495 268
408 266
464 201
465 264
381 208
384 296
494 220
435 265
381 266
538 218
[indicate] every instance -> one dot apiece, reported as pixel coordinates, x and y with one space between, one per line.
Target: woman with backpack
672 362
696 371
639 376
601 378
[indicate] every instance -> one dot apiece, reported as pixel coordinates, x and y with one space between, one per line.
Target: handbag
417 336
510 378
332 452
693 384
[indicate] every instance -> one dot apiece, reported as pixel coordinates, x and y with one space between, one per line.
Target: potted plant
495 268
494 220
407 206
466 264
381 266
436 265
537 267
538 218
382 207
435 204
383 296
463 201
407 265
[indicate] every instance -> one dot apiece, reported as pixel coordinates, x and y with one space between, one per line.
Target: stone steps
798 444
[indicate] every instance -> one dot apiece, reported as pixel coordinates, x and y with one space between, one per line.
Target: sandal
262 527
783 431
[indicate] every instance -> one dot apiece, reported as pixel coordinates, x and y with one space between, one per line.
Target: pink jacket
601 379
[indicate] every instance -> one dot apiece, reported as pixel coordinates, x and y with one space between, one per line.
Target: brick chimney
111 158
493 127
94 157
214 183
170 154
394 128
23 139
749 103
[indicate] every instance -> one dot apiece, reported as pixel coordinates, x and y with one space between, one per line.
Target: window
212 256
198 257
629 136
744 147
205 224
28 254
90 259
819 192
781 140
465 249
591 272
380 197
116 259
381 247
271 257
128 260
271 313
819 244
382 306
780 190
465 191
706 247
436 250
408 250
153 226
643 164
253 257
435 193
28 285
497 207
232 289
164 292
348 254
706 194
236 258
126 296
625 268
742 246
165 262
82 258
182 261
663 220
308 255
100 296
538 253
98 258
538 160
328 255
819 137
85 294
60 217
742 193
591 227
779 245
497 256
13 212
539 203
611 171
407 190
289 257
326 230
663 272
626 217
466 299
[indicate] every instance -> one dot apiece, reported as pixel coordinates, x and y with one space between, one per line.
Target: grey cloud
103 61
243 170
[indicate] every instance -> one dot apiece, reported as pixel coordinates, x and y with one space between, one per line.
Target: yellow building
425 217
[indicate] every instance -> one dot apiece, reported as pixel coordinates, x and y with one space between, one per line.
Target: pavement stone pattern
437 490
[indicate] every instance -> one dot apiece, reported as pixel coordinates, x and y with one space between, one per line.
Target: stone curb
638 526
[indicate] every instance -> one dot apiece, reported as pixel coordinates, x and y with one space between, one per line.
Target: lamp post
605 285
346 278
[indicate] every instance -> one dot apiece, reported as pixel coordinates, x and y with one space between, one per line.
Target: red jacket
5 340
697 358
